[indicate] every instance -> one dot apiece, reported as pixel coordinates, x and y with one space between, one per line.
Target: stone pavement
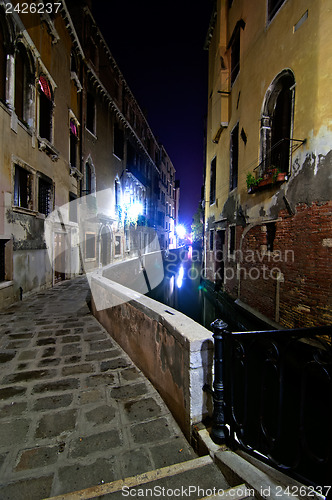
75 412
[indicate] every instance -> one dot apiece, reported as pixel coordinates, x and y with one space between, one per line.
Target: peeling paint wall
293 215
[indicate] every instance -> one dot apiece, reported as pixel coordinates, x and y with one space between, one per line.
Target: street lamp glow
181 231
134 210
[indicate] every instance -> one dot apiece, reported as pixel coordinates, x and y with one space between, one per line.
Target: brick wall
301 257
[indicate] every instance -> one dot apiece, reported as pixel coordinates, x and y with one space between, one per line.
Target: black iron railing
277 398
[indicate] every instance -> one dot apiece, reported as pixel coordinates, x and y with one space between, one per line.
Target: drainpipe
280 279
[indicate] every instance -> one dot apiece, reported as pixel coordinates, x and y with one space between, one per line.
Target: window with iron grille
45 196
23 188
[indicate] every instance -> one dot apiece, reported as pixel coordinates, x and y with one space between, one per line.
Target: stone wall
172 350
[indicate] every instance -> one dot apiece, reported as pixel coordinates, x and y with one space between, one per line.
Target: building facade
80 166
268 186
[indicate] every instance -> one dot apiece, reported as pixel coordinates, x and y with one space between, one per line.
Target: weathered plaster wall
173 351
300 208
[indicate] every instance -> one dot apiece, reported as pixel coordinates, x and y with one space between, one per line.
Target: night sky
158 46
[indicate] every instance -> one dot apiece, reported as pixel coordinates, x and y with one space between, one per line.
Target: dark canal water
183 289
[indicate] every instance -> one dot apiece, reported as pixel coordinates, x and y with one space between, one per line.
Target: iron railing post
219 431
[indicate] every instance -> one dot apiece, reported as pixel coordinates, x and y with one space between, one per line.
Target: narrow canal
184 290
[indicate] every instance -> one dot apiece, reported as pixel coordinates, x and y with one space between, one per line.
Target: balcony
275 166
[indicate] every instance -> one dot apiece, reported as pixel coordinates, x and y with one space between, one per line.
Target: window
20 83
234 157
45 195
232 240
235 57
276 123
273 7
72 207
73 62
213 174
88 179
23 183
118 141
270 235
234 46
45 109
90 113
211 241
73 140
117 190
90 245
117 250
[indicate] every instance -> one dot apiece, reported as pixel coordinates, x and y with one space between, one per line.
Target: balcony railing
274 398
279 155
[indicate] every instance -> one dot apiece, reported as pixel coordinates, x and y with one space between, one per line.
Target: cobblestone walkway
74 410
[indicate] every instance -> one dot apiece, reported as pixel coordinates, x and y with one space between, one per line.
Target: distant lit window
213 174
45 109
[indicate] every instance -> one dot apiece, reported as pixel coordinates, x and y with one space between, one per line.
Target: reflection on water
183 289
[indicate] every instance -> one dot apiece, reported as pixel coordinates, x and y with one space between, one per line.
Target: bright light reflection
179 279
134 210
181 231
171 285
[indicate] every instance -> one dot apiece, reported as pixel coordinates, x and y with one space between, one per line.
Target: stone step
195 479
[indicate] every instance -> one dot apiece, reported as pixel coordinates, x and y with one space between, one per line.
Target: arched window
276 123
89 177
45 109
